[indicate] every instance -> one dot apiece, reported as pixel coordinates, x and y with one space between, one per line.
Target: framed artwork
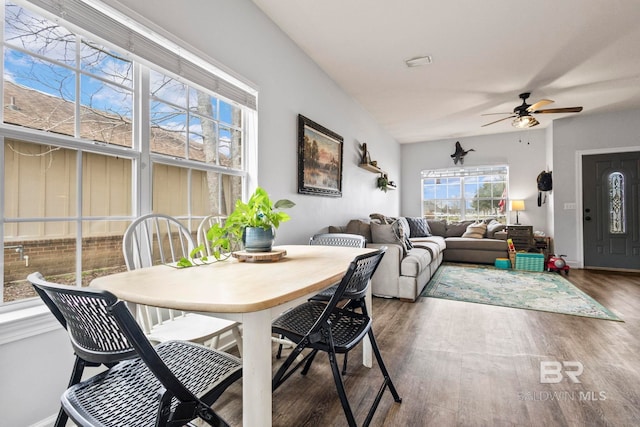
319 159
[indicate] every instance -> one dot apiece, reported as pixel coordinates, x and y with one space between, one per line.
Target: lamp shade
517 205
525 122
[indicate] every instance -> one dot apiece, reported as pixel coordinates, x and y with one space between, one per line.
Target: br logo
551 372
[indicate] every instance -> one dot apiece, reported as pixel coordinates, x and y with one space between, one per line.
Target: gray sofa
416 248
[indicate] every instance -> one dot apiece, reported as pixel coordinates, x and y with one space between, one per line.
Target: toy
557 263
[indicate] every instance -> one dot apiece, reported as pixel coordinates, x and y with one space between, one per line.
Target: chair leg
386 383
213 345
337 378
238 337
76 376
279 353
309 362
282 374
382 366
344 364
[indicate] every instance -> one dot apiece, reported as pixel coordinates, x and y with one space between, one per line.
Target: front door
610 217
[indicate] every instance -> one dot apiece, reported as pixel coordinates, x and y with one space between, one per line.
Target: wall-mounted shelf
370 168
366 164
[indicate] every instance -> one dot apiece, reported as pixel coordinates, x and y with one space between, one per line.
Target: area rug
541 291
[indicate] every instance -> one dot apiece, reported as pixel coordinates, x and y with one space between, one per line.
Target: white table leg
367 351
256 369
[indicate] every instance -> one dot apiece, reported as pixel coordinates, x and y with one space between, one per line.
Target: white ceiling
485 53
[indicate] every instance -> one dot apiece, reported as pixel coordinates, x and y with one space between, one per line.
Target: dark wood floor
463 364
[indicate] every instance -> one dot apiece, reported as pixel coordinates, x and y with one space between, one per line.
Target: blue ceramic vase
257 239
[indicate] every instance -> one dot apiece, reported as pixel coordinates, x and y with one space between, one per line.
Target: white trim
25 323
47 422
579 207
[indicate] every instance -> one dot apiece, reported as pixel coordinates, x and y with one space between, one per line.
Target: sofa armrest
393 255
385 281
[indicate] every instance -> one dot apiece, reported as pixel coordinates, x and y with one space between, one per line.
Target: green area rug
541 291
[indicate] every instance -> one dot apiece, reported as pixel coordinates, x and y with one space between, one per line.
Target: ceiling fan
522 114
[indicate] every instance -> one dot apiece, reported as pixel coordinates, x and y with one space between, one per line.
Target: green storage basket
530 262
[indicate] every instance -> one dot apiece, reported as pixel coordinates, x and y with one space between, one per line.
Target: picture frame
319 159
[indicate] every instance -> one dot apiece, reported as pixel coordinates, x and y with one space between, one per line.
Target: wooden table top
231 286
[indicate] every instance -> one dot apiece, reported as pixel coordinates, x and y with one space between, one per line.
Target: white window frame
461 173
21 319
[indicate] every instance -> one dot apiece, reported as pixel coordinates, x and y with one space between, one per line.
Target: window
465 193
617 220
104 125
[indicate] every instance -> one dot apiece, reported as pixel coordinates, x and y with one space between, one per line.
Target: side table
521 235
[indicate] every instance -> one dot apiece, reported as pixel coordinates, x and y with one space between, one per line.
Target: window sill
27 322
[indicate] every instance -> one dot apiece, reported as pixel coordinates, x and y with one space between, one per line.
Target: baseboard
47 422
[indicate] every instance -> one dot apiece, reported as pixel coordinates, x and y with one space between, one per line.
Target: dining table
250 292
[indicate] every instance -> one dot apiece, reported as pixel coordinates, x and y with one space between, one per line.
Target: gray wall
572 137
559 148
524 152
236 33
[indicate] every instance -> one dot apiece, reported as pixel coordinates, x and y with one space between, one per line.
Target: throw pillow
382 218
493 227
457 229
475 230
390 233
418 227
361 227
438 227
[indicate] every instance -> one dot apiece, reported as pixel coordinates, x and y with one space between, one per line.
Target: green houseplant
257 216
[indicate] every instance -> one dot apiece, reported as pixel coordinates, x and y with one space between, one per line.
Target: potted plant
383 182
252 223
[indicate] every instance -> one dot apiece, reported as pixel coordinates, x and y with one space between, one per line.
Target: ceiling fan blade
510 117
539 104
495 114
559 110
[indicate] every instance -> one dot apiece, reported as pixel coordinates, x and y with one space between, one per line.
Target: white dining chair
160 239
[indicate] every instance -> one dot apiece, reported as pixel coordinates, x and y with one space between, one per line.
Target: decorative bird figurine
459 154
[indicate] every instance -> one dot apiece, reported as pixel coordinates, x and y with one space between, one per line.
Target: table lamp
517 205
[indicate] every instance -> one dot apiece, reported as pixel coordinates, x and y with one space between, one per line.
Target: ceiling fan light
524 122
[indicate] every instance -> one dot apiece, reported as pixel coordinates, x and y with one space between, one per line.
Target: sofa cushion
415 261
361 227
438 227
389 233
438 241
476 244
476 230
418 227
457 229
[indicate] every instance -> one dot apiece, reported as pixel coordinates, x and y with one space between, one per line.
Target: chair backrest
204 226
339 239
155 239
355 282
94 335
102 328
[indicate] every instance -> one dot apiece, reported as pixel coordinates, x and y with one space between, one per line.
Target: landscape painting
319 159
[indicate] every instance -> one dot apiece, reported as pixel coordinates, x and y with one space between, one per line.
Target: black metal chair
332 239
167 385
97 359
326 327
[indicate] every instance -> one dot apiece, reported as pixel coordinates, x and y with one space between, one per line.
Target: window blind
123 32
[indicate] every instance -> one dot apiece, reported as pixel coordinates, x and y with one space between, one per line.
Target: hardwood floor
464 364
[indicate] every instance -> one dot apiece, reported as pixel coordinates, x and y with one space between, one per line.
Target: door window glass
617 221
